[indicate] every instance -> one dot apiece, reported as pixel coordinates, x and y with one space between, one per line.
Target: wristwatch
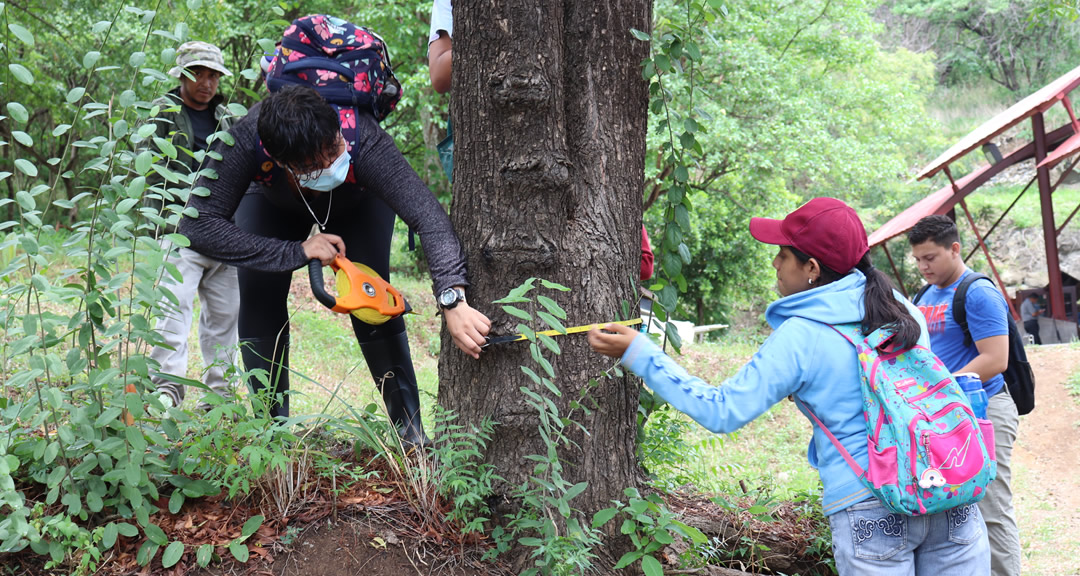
450 297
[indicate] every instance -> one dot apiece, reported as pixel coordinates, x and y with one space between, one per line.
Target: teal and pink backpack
928 451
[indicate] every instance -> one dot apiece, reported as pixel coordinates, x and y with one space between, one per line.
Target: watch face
448 297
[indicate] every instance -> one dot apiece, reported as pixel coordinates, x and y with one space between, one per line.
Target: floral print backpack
348 65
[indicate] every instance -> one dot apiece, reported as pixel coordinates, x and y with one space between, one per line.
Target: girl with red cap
824 276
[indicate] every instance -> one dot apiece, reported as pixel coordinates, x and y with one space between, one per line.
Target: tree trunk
549 111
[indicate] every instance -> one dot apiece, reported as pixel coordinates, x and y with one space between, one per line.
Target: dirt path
1046 468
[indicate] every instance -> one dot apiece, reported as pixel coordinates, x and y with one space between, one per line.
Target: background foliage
757 105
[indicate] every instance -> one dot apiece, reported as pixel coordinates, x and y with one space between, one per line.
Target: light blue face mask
329 178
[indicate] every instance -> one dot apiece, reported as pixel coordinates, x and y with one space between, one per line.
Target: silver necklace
329 204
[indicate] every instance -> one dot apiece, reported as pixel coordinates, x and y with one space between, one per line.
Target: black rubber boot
391 366
257 353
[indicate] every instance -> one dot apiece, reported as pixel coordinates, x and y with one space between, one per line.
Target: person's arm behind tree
440 56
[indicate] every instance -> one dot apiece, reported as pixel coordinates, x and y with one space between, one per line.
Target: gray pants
215 284
997 505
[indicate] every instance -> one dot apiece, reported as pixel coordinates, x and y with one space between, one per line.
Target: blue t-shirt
987 316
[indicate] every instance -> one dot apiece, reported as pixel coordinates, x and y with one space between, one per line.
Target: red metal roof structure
1046 148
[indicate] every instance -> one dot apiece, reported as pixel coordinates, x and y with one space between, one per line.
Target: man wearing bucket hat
824 277
189 115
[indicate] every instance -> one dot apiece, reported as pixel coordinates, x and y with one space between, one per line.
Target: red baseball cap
824 228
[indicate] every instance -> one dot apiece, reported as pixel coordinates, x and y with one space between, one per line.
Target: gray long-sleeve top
379 169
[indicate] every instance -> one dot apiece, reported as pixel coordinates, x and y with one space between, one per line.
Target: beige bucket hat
192 54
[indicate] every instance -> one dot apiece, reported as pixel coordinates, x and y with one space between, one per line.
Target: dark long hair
297 126
881 306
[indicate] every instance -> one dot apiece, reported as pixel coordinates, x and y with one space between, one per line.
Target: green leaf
143 161
684 253
652 566
554 286
549 343
239 551
604 516
205 555
551 306
551 321
673 335
532 542
110 414
27 203
681 173
94 502
75 94
528 371
22 34
172 554
91 58
26 167
146 130
647 72
21 74
127 98
527 332
628 559
60 130
178 239
51 451
251 526
18 112
146 553
126 205
693 533
73 502
136 59
155 534
517 313
22 138
693 51
127 530
643 36
176 501
166 147
108 538
663 62
575 490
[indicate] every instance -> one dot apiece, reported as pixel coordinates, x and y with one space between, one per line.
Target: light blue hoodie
803 357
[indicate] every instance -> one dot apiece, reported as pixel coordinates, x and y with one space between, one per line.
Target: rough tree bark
550 115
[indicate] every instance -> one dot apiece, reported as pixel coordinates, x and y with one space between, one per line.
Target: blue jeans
868 539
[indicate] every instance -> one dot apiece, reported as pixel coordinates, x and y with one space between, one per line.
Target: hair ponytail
881 308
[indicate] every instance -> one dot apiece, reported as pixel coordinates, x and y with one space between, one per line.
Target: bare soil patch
1046 460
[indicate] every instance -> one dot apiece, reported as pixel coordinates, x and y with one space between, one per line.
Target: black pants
363 221
1032 327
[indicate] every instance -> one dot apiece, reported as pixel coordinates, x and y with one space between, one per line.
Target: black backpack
1018 375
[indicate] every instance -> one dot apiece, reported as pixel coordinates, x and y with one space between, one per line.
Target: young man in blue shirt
935 244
